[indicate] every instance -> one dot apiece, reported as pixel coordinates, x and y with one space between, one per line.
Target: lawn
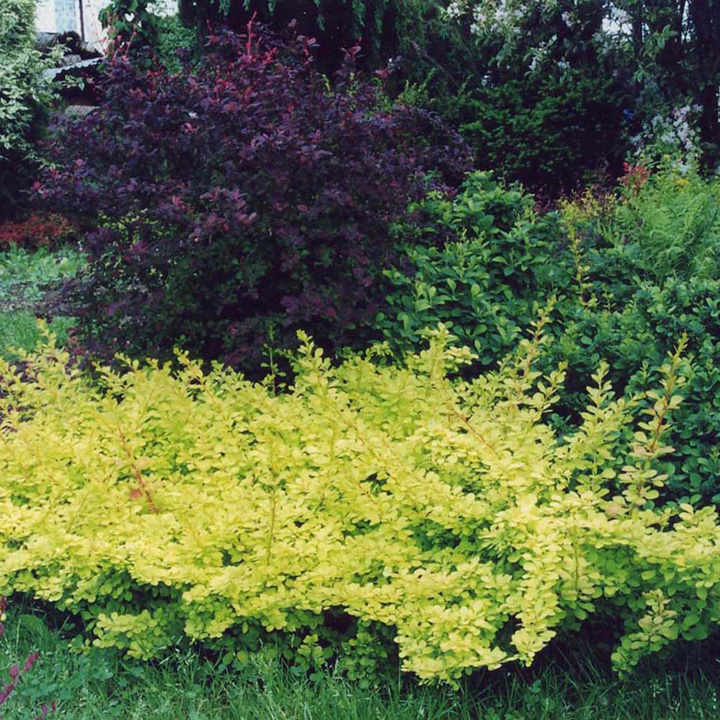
577 685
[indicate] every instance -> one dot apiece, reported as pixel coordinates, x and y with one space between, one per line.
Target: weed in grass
18 674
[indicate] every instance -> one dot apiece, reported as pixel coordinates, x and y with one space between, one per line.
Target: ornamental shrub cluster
244 197
368 511
630 273
37 230
25 95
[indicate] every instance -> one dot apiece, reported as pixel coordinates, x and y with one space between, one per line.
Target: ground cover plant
26 275
242 194
19 332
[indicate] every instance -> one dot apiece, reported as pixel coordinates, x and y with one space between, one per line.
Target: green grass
19 331
26 277
103 685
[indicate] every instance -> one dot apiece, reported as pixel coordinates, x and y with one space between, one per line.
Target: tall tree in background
382 27
704 19
548 106
671 44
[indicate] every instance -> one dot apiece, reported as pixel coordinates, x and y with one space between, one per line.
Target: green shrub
25 94
368 510
172 37
631 272
553 129
500 262
632 337
553 133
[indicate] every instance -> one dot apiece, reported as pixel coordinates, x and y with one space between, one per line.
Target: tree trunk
710 126
704 16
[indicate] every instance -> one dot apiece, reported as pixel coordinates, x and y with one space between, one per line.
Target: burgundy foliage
38 230
245 192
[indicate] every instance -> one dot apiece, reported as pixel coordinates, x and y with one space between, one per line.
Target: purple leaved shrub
242 194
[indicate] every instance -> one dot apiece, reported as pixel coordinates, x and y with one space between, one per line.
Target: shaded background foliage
25 95
665 48
551 128
383 28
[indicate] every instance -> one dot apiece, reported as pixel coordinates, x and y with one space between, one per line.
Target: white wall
55 15
63 15
58 16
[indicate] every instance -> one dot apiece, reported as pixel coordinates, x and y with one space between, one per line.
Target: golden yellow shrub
442 514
